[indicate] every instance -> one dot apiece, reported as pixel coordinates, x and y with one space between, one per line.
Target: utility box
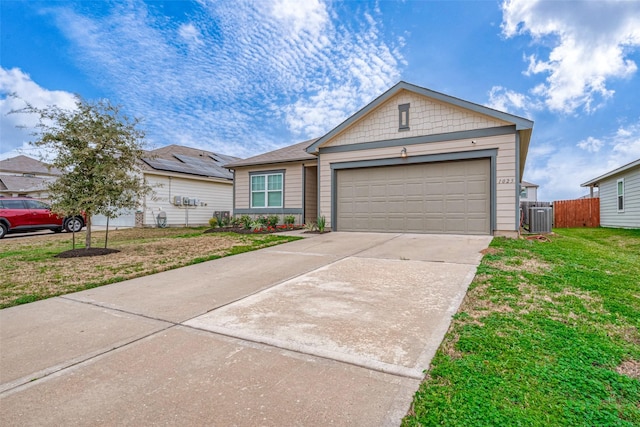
177 200
540 219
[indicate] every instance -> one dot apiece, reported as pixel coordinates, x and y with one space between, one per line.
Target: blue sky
245 77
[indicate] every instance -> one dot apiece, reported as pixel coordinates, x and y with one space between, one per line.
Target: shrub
256 225
321 223
273 220
213 222
312 226
289 220
246 221
263 220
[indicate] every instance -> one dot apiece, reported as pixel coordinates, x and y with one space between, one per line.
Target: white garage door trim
490 154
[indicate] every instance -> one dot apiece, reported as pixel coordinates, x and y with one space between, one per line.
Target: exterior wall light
403 153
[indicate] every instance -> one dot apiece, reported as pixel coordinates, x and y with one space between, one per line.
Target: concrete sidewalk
332 329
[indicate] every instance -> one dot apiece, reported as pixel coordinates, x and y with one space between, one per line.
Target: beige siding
292 184
213 196
426 117
505 170
609 215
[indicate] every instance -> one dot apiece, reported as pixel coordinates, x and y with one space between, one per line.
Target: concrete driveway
332 329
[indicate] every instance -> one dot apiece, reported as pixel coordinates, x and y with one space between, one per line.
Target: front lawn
29 270
548 335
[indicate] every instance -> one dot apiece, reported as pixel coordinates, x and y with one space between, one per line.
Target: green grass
548 335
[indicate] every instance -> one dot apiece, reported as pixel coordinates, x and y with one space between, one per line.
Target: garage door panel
447 197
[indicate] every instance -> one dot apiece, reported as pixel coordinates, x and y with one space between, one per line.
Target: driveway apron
333 329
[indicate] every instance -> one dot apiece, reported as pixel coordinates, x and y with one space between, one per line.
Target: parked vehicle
20 214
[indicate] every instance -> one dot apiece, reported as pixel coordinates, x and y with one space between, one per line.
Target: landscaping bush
246 221
289 220
273 220
213 222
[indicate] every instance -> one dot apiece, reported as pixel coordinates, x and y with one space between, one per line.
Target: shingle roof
24 164
291 153
191 161
528 184
23 183
596 181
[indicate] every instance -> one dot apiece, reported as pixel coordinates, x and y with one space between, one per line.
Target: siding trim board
261 211
441 137
491 154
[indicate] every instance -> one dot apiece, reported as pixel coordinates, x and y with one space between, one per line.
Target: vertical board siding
609 215
576 213
214 196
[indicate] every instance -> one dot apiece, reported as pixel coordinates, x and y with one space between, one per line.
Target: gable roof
596 181
16 184
521 123
24 164
528 184
190 161
292 153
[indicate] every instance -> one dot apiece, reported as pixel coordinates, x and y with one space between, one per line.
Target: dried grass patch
630 368
520 264
52 276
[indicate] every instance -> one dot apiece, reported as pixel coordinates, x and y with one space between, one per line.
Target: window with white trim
266 190
620 186
524 193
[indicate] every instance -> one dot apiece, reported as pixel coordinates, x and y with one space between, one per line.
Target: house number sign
506 181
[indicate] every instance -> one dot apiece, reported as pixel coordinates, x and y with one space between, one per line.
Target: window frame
403 117
620 195
524 192
266 191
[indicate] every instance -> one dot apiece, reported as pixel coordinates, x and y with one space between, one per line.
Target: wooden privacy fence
576 213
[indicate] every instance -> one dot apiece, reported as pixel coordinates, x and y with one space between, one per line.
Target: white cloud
561 168
190 34
591 144
17 89
503 99
589 44
292 69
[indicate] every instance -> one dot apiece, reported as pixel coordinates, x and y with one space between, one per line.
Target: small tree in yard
97 148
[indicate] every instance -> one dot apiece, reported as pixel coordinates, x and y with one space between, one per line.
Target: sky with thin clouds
245 77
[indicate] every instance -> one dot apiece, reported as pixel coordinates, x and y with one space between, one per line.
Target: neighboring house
619 196
413 160
25 176
528 192
189 185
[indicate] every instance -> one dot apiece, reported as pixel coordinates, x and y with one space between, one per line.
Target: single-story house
619 196
189 185
413 160
25 176
528 192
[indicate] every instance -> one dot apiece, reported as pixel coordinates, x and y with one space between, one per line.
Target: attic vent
403 117
214 158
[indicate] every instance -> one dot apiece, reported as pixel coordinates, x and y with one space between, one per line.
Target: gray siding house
619 196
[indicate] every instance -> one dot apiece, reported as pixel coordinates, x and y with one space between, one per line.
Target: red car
19 214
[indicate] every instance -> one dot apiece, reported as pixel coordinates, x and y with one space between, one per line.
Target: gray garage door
444 197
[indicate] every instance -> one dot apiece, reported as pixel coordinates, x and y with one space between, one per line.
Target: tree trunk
106 235
87 241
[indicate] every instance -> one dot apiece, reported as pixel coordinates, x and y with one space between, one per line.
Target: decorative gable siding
426 117
609 215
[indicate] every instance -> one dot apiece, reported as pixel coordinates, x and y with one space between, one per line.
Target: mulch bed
77 253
